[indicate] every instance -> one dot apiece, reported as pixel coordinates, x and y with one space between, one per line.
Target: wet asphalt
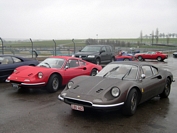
37 111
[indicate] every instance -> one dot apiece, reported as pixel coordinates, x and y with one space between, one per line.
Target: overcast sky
83 19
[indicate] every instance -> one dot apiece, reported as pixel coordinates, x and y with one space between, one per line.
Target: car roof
64 57
138 63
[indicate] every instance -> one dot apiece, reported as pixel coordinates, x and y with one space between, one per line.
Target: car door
6 67
151 83
73 69
103 55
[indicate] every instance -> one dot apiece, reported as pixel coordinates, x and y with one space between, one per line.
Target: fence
43 48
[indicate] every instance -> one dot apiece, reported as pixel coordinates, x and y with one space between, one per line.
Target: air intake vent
98 91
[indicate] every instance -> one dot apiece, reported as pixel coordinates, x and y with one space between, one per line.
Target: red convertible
151 55
52 73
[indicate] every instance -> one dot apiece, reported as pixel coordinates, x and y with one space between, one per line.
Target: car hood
94 86
86 53
30 71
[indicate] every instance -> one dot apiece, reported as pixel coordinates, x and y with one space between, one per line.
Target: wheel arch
60 77
138 91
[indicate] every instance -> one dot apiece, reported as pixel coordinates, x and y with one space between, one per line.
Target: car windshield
120 71
52 63
91 49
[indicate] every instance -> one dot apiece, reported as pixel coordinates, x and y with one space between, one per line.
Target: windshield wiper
115 68
127 73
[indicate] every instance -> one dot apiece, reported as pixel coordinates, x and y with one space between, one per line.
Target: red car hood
30 71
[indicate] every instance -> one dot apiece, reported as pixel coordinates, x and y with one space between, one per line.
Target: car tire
53 83
98 61
112 59
140 58
130 106
166 90
93 72
159 58
126 59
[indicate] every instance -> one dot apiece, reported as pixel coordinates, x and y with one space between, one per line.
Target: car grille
73 101
80 56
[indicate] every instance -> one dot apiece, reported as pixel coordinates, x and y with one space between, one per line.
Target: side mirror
143 76
66 67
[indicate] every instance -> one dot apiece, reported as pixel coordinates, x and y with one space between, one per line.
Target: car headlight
40 75
115 92
91 56
70 84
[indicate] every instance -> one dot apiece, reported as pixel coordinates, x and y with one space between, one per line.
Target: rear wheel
131 103
53 83
126 59
167 89
93 72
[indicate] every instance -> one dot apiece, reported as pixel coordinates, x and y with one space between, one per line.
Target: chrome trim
94 105
60 98
33 83
104 106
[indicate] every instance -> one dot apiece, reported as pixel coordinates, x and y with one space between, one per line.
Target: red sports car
124 56
52 73
151 55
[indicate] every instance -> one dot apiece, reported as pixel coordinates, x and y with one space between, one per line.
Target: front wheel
140 58
159 58
98 61
53 84
129 108
166 90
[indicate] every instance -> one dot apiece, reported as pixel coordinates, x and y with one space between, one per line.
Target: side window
108 48
16 59
73 63
155 70
147 71
6 60
82 63
104 48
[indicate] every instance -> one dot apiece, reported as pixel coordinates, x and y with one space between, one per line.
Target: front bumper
88 104
26 85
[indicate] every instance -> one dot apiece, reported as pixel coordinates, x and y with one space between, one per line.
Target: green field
82 42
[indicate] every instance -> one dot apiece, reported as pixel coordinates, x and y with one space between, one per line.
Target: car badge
80 56
78 96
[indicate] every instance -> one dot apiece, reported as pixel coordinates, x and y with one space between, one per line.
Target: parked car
9 62
97 54
151 55
52 73
119 85
124 56
175 54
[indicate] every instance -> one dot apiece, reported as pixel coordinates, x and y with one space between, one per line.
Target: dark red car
52 73
151 55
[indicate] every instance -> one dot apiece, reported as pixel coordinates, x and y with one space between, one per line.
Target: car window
108 48
82 63
52 63
91 48
104 48
6 60
16 59
155 70
73 63
120 71
147 71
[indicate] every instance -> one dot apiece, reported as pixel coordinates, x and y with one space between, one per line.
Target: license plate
77 107
15 85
